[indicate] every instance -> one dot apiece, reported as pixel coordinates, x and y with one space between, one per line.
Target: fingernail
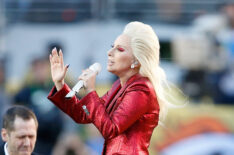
54 48
68 65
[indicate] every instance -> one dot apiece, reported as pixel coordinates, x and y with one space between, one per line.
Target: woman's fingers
86 74
55 56
61 57
65 70
50 58
54 52
88 77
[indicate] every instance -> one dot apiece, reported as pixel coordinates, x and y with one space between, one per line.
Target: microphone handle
78 86
96 67
75 89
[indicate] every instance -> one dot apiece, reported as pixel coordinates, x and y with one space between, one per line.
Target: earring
132 66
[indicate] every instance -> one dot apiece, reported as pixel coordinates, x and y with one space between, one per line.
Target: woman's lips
110 62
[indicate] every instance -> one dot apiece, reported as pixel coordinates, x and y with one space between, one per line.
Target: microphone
96 67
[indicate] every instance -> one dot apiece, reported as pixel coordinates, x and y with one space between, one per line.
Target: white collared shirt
5 149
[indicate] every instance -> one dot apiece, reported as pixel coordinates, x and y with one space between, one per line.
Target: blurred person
93 138
210 58
228 10
128 113
223 83
19 131
173 11
226 83
33 95
226 36
5 99
72 144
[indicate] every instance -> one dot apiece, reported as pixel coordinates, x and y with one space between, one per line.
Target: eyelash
119 48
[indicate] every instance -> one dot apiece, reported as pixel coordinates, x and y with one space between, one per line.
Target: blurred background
197 53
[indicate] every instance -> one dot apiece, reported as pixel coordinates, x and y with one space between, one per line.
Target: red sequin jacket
126 117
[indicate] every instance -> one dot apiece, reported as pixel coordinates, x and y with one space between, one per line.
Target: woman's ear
137 64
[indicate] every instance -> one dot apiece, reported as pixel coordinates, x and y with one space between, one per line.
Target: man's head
19 130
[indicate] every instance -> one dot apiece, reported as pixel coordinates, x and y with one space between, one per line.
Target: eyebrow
121 46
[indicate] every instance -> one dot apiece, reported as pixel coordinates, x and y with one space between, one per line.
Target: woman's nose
110 52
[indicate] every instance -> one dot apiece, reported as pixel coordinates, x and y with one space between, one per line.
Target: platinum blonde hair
145 47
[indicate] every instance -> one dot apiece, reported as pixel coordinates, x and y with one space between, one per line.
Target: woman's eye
121 49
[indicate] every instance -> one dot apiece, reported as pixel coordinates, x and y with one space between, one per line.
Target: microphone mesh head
96 67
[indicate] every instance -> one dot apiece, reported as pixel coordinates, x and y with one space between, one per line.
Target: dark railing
172 11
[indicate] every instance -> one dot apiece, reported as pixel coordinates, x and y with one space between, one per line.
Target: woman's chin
110 69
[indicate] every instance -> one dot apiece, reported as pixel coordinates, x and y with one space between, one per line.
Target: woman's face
120 56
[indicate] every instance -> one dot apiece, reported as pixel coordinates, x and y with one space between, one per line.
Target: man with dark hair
19 131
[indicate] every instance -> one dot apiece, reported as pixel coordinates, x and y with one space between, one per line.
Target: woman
128 113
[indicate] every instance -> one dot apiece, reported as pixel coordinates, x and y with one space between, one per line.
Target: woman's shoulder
141 82
141 79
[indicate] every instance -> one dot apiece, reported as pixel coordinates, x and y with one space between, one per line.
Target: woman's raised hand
58 70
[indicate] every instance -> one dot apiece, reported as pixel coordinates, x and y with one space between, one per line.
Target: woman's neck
124 78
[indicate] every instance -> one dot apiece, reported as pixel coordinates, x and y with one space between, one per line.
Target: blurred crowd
205 55
57 134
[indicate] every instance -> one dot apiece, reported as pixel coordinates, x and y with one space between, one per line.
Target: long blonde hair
145 46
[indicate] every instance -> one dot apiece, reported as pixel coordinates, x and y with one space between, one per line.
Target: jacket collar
117 91
131 79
